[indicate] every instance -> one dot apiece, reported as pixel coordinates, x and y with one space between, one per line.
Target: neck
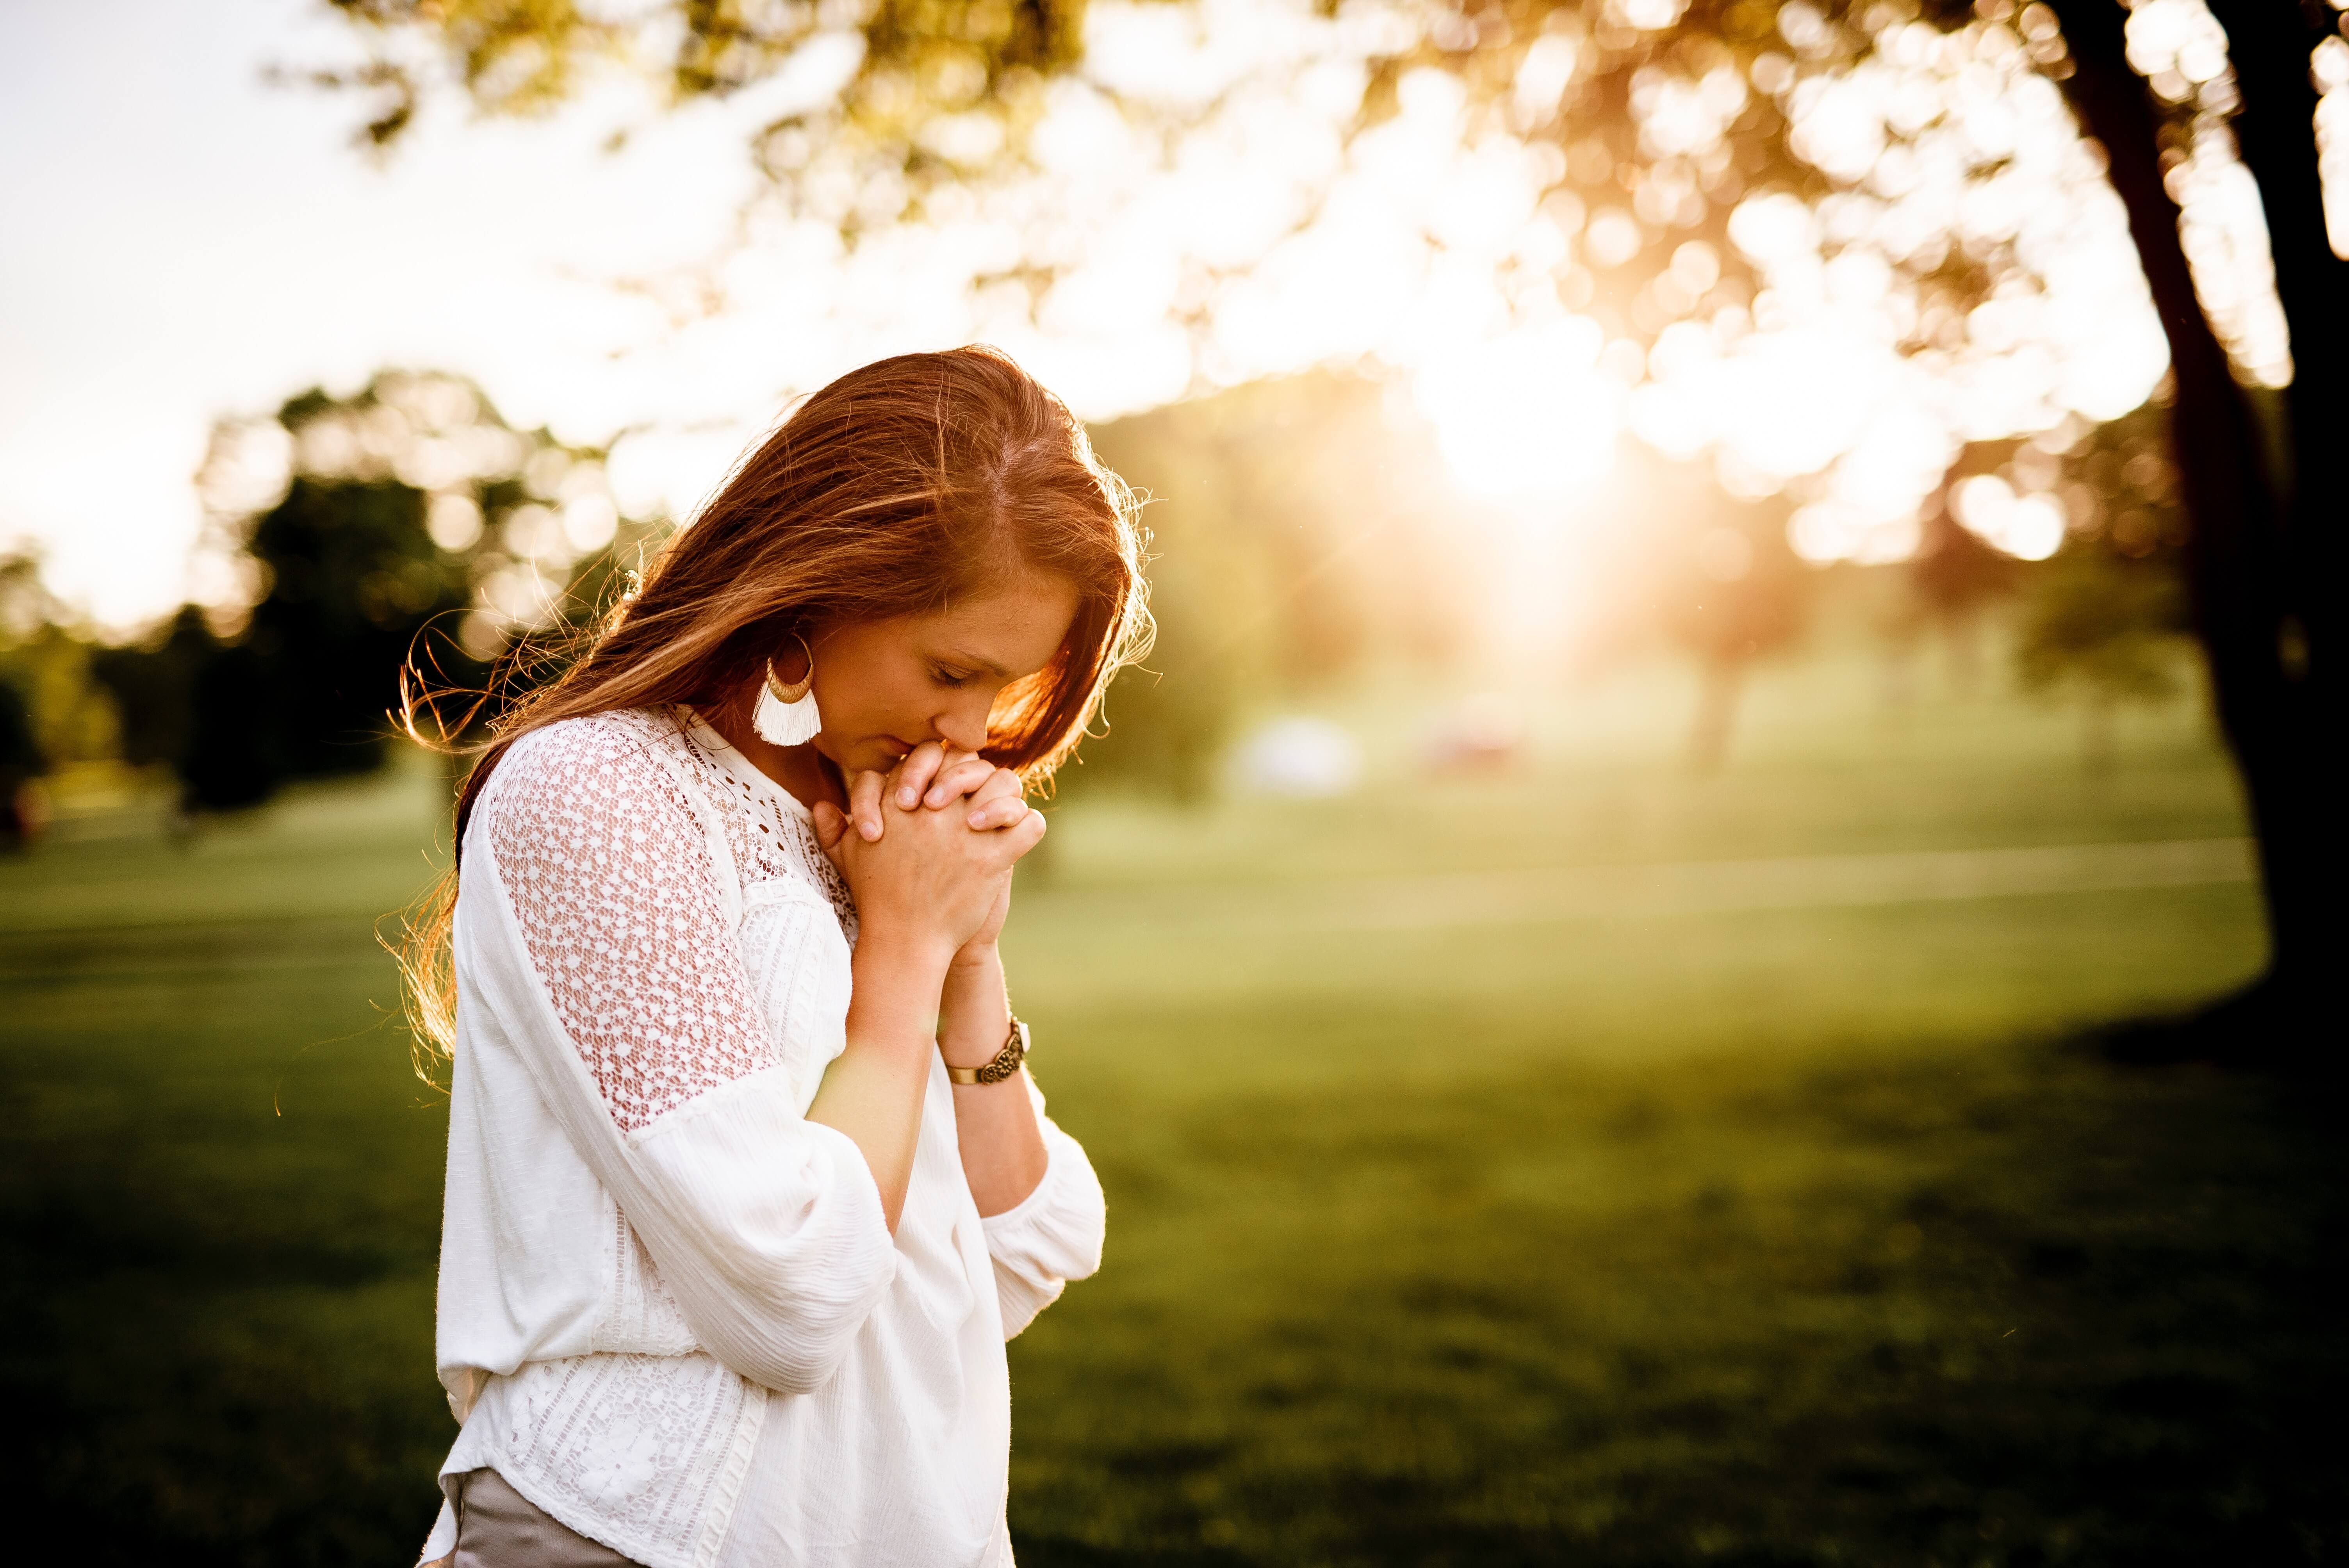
802 770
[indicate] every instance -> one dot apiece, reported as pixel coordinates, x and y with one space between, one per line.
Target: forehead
1013 627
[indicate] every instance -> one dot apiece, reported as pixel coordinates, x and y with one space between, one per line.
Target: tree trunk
2235 557
2269 44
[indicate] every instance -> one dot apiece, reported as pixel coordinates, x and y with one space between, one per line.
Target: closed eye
950 677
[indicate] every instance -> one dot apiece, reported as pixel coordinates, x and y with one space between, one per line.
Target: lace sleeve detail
609 873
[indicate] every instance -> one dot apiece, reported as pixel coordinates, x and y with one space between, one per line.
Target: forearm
1003 1153
873 1092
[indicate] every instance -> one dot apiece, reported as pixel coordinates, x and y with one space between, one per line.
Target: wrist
923 957
975 954
1001 1065
974 1010
971 1037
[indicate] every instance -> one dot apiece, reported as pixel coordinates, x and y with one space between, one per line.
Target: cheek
868 697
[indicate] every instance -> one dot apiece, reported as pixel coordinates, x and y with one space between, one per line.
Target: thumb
830 824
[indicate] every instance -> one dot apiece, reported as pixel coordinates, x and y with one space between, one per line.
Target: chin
875 754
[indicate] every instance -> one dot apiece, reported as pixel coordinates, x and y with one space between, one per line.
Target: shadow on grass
2015 1307
2018 1307
201 1388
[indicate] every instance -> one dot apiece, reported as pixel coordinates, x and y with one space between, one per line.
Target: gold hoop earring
786 714
796 689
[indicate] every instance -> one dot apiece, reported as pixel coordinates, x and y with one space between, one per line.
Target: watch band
1005 1062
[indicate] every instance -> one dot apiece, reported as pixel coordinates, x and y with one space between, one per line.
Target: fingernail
906 797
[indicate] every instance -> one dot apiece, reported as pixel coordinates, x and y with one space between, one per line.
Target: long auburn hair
899 490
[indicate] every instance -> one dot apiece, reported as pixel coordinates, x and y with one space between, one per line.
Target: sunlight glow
1527 415
2029 527
1199 213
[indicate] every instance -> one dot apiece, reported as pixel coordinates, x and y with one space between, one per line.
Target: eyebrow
957 656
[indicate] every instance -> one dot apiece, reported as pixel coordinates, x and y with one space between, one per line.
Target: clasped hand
920 870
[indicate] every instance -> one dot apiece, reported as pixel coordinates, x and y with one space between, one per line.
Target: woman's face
886 687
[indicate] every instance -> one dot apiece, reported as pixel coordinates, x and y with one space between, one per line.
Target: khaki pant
496 1527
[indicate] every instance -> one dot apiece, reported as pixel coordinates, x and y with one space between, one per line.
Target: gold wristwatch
1006 1062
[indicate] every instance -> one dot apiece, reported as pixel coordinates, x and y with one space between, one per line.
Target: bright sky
186 243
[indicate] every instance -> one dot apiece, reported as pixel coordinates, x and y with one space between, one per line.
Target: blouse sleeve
610 964
1054 1235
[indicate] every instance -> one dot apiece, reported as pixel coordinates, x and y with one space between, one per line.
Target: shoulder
576 762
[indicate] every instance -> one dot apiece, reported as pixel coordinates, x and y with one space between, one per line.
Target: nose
964 726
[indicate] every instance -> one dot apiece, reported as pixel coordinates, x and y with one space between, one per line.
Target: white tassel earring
786 715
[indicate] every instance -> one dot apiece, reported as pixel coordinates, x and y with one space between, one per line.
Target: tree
1954 579
405 526
2107 616
154 687
1666 121
21 761
2261 552
933 94
1297 541
1735 595
2108 625
1710 571
2260 557
46 663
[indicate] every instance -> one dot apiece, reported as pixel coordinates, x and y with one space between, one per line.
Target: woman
747 1184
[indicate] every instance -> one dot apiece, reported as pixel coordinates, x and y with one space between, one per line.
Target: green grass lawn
1779 1233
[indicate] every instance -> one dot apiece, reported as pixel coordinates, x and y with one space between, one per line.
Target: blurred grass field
1446 1228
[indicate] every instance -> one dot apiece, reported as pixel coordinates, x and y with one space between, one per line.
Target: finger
1016 837
914 773
958 780
1001 812
1000 784
864 805
1004 797
1026 834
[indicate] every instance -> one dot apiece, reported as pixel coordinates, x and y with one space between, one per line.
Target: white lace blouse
671 1312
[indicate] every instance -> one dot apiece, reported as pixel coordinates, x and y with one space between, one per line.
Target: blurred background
1700 942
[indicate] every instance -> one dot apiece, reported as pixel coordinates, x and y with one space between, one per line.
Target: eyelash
948 679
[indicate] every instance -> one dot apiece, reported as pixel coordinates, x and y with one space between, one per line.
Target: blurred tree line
1298 540
1304 539
2105 621
2108 616
348 537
